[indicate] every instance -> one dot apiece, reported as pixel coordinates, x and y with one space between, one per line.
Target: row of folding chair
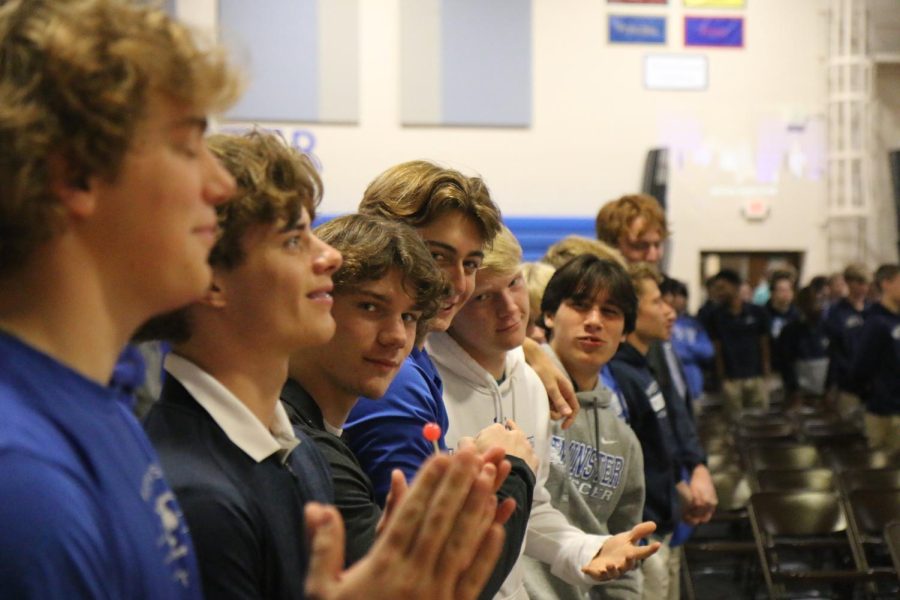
802 450
825 543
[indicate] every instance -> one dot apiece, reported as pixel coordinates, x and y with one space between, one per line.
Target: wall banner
714 32
637 30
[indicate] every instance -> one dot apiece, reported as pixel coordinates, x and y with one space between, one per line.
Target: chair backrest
787 480
797 514
874 479
874 509
847 459
842 433
785 457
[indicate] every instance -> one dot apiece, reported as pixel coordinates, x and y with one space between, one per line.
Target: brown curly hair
76 79
273 181
615 217
372 245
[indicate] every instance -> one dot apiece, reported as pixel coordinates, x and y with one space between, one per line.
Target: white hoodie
474 401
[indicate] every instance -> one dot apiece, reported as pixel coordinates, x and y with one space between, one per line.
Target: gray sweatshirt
597 481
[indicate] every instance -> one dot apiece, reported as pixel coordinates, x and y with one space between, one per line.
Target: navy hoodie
650 422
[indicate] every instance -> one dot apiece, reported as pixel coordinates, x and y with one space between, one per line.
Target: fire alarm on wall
756 209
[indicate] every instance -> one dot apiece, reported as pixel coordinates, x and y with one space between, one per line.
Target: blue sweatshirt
875 369
694 349
650 422
386 434
84 509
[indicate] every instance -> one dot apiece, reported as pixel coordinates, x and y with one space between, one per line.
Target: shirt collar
240 425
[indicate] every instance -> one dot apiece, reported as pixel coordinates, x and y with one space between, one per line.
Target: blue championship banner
637 30
717 32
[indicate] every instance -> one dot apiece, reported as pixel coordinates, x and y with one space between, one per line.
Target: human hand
621 553
563 402
442 543
511 439
395 495
703 496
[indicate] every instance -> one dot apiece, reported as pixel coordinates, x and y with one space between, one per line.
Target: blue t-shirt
84 509
386 434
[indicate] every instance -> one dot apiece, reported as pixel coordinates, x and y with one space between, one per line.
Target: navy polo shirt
739 336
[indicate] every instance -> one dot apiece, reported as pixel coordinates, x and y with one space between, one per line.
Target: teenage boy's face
641 244
586 335
495 318
280 293
155 223
456 244
783 292
654 317
857 287
890 289
376 329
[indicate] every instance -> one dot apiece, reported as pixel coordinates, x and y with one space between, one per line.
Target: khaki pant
662 572
883 432
739 394
847 403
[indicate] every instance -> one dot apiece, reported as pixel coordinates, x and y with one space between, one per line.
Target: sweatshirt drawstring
595 475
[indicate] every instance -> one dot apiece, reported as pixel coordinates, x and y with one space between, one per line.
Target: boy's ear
215 295
548 320
72 187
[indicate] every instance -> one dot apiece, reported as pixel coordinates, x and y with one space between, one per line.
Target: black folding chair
874 479
788 480
803 541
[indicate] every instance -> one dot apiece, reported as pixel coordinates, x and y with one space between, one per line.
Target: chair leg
687 584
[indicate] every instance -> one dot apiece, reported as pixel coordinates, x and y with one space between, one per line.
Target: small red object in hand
432 433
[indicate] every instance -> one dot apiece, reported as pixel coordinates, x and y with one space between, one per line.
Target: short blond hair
857 272
574 245
537 275
76 80
504 257
640 272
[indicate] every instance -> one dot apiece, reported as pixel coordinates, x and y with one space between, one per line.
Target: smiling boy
244 476
386 290
486 382
225 442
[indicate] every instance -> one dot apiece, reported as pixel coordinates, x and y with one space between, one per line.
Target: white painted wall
593 123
